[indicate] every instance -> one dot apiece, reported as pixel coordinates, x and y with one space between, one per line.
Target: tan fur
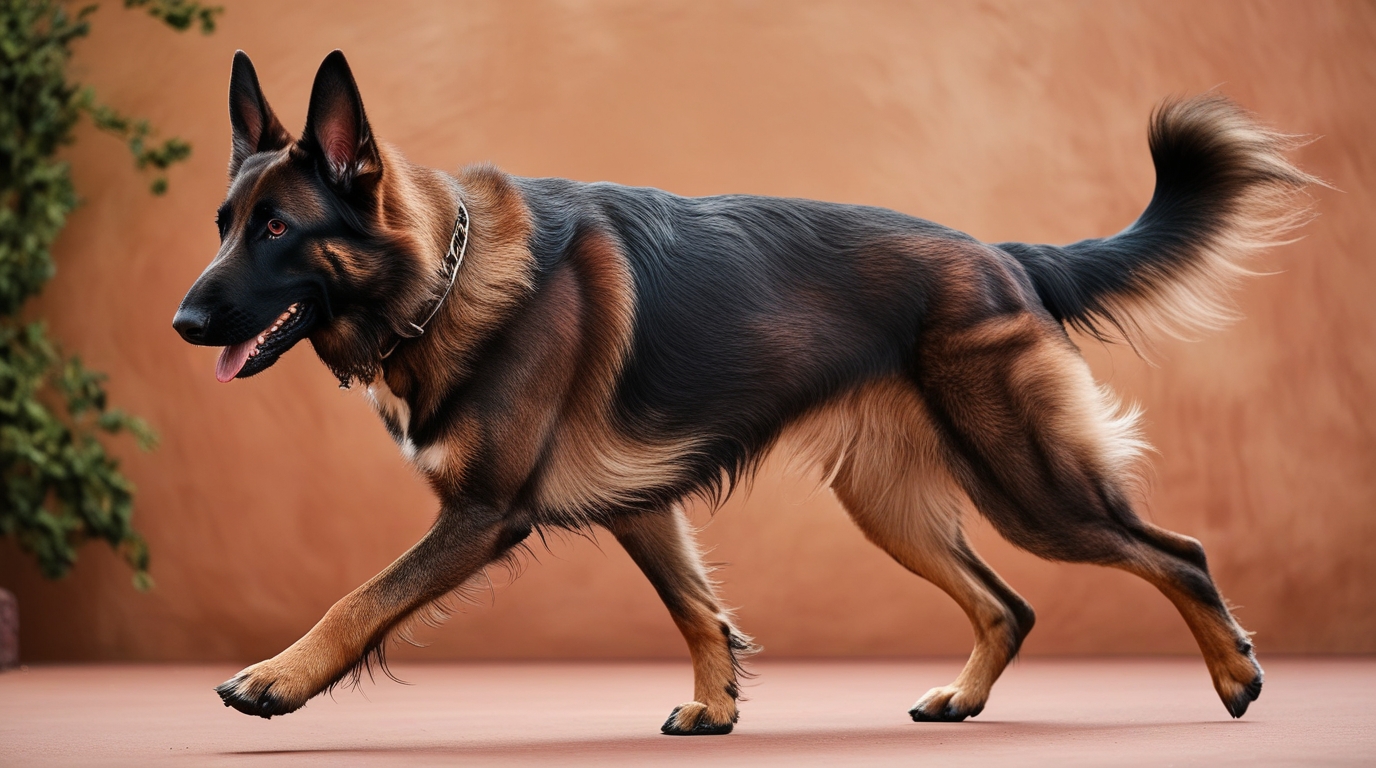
1105 434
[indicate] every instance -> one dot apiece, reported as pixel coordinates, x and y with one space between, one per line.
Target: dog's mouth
259 352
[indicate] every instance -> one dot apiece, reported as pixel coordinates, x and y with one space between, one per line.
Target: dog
556 354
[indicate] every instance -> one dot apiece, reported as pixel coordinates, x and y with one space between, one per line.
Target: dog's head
305 247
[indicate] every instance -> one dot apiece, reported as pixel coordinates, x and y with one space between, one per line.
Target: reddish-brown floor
1043 712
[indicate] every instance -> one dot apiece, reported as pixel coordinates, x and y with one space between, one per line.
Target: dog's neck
448 274
497 273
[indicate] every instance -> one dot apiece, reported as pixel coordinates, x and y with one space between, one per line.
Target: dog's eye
276 228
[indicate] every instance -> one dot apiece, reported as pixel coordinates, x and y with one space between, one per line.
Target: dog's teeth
292 309
261 338
254 353
274 328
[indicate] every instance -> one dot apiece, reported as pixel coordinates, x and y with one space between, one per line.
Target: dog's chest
396 414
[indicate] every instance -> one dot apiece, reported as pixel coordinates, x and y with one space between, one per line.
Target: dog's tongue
232 360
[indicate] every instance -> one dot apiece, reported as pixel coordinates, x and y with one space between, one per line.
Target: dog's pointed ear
255 127
337 132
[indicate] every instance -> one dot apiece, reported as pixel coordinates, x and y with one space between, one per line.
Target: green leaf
59 487
180 14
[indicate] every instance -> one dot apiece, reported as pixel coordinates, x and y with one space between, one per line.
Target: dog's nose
191 324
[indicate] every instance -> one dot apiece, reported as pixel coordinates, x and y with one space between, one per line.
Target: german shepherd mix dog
555 354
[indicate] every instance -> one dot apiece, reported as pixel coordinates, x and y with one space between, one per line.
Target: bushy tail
1224 190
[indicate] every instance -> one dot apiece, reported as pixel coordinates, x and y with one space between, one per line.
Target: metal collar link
458 246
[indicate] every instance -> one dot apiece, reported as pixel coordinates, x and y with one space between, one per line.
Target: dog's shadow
763 743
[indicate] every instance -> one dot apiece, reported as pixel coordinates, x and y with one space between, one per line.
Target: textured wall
271 498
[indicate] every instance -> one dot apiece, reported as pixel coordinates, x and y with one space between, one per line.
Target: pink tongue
232 360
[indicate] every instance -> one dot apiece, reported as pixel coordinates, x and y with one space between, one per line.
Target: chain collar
458 246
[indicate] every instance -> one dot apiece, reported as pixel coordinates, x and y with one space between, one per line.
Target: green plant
59 487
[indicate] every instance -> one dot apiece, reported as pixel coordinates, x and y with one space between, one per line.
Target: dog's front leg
463 540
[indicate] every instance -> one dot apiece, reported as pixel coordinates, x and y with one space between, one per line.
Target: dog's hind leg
461 543
662 544
1047 459
894 483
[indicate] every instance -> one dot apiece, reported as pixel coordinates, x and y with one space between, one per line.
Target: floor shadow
986 733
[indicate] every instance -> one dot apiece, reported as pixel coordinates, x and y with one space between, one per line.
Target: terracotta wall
271 498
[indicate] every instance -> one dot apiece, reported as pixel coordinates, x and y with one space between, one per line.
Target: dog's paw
945 705
262 690
692 719
1239 682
